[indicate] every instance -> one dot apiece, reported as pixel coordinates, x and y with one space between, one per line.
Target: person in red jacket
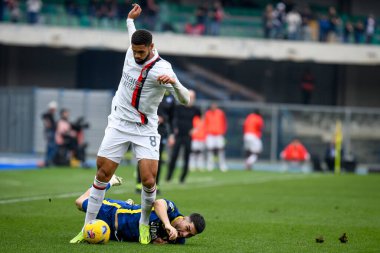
198 144
216 128
253 128
295 153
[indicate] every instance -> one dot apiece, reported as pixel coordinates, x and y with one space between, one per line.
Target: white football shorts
116 141
215 142
252 143
197 146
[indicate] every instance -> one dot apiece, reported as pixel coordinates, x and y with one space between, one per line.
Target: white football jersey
139 93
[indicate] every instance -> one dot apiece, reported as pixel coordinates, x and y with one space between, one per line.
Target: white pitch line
193 184
33 198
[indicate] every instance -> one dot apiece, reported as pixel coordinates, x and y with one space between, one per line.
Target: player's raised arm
132 15
181 93
161 209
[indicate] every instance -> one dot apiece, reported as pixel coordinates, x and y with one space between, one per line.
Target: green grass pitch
244 211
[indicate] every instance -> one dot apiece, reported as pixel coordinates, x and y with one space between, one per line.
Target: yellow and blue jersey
123 220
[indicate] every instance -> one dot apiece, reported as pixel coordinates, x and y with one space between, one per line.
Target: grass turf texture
244 211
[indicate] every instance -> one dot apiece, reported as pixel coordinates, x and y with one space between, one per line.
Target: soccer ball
96 231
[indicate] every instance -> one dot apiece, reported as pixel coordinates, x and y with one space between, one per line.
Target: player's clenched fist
172 232
164 79
135 12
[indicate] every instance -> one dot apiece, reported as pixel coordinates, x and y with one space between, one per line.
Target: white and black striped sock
95 200
148 196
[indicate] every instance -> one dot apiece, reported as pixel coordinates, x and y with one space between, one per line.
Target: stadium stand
239 20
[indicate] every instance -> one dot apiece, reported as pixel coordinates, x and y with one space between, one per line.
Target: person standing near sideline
48 119
253 128
134 121
198 144
216 128
183 127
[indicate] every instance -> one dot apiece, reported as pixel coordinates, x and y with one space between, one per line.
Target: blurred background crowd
286 20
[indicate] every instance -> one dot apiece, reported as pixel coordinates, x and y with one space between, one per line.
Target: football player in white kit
133 121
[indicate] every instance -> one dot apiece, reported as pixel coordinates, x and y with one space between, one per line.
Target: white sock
210 160
222 160
251 159
97 192
200 159
192 161
148 196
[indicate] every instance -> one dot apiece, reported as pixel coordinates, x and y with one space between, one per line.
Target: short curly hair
199 222
142 37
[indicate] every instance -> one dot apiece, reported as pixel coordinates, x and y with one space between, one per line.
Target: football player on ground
166 223
134 121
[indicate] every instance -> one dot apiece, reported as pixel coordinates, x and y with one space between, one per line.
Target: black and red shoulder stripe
138 88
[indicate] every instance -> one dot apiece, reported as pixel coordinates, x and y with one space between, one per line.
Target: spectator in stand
93 8
149 15
359 32
14 9
370 26
279 19
295 154
216 17
198 144
294 22
123 8
106 13
253 130
348 32
324 28
307 87
199 27
216 128
72 8
112 12
201 14
183 127
268 21
306 16
48 119
334 23
33 8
